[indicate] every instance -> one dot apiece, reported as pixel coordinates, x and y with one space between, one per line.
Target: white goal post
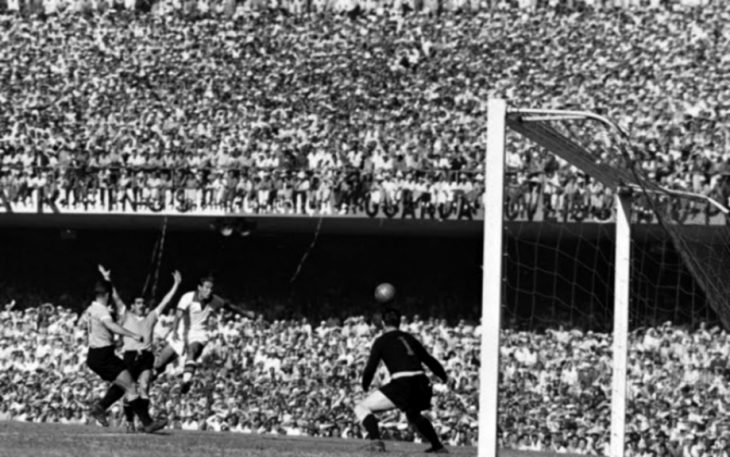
492 285
530 124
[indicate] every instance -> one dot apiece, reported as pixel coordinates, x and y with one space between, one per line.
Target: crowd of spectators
294 377
249 192
274 112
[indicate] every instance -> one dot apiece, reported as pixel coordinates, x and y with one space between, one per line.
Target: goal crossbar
570 151
531 124
624 180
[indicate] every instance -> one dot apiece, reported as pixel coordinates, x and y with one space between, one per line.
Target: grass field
18 439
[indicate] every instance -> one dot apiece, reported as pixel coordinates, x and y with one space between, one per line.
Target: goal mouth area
620 265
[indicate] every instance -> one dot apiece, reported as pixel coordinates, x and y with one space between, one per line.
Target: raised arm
120 306
237 308
177 278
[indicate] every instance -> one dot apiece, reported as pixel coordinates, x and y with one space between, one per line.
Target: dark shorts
138 361
195 348
409 393
105 363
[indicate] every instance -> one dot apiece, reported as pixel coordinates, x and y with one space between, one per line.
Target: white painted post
622 274
492 278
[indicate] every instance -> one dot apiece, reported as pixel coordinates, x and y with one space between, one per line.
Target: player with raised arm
138 356
409 389
102 360
193 309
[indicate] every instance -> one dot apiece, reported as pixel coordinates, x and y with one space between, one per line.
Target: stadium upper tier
381 94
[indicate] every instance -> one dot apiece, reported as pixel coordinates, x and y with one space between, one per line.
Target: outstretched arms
171 293
118 303
239 309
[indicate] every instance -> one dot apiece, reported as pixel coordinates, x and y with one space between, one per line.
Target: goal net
613 250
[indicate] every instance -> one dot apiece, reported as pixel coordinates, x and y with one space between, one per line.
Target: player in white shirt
138 356
194 309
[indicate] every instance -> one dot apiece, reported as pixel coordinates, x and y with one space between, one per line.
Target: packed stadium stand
331 111
313 108
294 377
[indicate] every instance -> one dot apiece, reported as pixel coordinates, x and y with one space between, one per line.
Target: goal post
622 274
612 162
492 278
492 287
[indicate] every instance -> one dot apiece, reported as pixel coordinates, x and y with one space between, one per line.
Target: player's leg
129 425
143 384
130 358
195 349
143 381
139 407
108 366
419 399
123 382
365 413
98 410
145 362
166 357
425 428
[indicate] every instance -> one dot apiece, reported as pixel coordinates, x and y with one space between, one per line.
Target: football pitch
19 439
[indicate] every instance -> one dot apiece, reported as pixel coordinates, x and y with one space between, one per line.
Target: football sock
371 425
424 426
128 412
140 408
113 394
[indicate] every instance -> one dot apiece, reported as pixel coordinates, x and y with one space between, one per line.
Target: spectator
388 95
295 379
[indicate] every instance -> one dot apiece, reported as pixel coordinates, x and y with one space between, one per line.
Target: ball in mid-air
384 293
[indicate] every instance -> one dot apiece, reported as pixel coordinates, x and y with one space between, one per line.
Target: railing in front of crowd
436 194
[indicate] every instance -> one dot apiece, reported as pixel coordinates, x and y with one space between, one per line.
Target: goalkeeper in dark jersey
409 388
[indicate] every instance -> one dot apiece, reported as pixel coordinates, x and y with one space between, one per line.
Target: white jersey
198 314
95 315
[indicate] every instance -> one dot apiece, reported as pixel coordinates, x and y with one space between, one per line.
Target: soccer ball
384 293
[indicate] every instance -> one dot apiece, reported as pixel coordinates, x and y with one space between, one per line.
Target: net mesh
558 277
562 275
